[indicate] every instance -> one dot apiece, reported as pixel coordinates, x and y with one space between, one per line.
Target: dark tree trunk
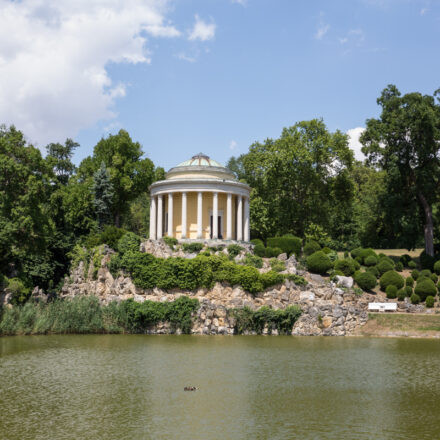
117 220
429 225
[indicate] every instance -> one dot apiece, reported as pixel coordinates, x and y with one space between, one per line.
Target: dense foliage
319 262
86 315
282 320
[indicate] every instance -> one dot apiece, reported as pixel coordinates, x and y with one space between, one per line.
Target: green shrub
415 274
374 270
426 273
366 280
272 252
401 294
20 293
430 301
385 265
434 278
288 244
206 253
405 259
110 236
391 278
415 299
359 260
391 291
412 264
319 263
170 241
253 260
311 247
128 242
399 266
426 261
365 253
192 248
277 265
355 252
437 267
409 281
370 260
347 266
247 320
346 254
327 250
424 288
260 250
408 290
381 255
334 273
256 241
234 249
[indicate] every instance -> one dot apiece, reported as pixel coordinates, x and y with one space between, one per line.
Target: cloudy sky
184 76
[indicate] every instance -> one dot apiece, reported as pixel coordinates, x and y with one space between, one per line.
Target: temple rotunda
200 199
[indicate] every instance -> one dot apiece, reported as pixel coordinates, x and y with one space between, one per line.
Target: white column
199 214
159 216
170 214
240 219
214 215
153 218
246 220
184 215
229 217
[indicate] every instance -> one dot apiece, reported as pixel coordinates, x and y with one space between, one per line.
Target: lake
249 387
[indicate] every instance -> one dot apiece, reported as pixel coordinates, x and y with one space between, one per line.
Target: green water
131 387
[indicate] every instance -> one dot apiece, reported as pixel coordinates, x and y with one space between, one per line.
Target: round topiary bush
256 241
391 278
371 260
319 262
401 294
355 252
399 266
415 299
415 274
272 252
260 250
408 290
425 288
347 266
412 264
409 281
434 278
425 273
405 259
310 247
385 265
391 291
366 280
426 261
437 267
430 301
365 253
374 270
326 250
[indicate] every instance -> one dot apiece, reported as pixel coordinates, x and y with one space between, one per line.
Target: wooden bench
382 307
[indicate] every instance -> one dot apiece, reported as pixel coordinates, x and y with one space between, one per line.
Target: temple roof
200 160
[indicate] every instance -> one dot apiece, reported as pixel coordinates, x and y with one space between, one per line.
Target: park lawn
402 324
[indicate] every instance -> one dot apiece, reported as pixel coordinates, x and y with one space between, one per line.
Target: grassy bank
86 315
402 324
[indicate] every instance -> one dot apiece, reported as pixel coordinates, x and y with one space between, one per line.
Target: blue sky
217 75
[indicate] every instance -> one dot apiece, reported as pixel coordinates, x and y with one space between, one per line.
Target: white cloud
423 11
240 2
343 40
354 143
202 30
182 56
322 30
232 145
54 56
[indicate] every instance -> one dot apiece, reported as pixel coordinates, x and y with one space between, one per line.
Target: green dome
200 160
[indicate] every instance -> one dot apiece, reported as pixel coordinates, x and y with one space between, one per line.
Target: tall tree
405 142
295 178
103 195
59 158
130 174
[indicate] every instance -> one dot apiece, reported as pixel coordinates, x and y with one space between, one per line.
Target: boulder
344 281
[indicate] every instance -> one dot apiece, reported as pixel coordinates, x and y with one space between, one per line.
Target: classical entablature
194 193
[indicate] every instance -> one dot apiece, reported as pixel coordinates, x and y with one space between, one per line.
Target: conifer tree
103 195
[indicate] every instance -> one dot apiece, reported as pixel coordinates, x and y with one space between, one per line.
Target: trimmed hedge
384 265
401 294
319 262
260 250
366 280
371 260
391 278
425 288
311 247
347 266
272 252
391 291
415 299
409 281
415 274
289 245
374 270
412 265
430 301
148 272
